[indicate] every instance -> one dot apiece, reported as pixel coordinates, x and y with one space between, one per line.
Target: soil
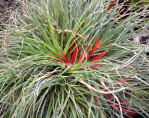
6 8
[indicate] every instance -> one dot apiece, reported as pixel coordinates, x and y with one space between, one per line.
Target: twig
102 92
116 45
48 74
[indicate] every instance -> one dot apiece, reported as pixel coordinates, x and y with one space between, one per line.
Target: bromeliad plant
51 68
72 58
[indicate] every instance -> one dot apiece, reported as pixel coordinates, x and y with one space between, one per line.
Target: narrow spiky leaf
92 65
64 57
124 80
57 59
75 53
82 56
72 44
99 56
89 40
121 101
117 107
95 47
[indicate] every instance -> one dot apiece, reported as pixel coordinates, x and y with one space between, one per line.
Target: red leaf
89 40
96 105
57 59
124 80
64 57
117 108
73 41
77 30
95 47
127 110
82 56
99 56
92 65
75 53
121 101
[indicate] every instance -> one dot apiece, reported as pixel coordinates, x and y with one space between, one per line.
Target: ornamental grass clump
74 59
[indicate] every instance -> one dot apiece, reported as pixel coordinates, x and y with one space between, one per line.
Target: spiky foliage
70 59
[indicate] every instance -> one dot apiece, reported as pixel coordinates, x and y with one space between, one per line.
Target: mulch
6 8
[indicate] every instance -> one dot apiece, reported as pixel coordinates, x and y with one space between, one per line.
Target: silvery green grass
63 59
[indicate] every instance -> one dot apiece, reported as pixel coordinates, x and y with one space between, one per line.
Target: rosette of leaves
65 59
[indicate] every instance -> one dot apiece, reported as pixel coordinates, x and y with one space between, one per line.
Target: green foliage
138 2
33 84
